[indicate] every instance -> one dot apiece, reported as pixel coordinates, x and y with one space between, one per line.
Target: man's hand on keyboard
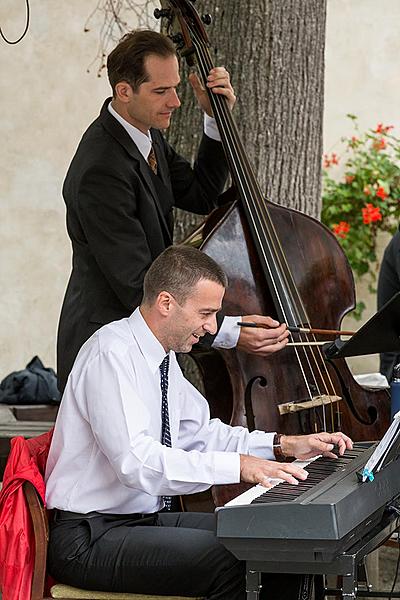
259 470
308 446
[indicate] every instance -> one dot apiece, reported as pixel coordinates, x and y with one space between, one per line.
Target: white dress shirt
229 331
106 453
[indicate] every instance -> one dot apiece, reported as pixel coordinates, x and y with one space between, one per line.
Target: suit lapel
118 132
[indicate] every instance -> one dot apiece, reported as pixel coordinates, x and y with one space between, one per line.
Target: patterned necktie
165 431
151 159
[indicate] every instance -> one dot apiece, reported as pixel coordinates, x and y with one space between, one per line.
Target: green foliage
367 198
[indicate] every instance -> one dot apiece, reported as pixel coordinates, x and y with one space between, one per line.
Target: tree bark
274 50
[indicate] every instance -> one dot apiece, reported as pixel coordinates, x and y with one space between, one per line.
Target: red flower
333 160
380 192
371 213
349 179
379 144
367 190
380 128
342 229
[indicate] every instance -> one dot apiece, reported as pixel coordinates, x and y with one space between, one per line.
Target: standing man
132 433
122 185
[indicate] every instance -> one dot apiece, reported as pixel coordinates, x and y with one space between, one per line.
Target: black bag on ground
35 384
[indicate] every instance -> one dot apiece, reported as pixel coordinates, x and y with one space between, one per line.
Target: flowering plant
366 198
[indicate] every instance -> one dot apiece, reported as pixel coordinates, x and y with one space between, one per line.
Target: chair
64 592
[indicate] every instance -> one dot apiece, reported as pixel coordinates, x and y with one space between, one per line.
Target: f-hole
248 404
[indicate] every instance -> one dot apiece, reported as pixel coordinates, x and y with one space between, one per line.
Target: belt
66 515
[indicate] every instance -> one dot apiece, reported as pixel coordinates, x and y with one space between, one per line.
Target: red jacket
26 462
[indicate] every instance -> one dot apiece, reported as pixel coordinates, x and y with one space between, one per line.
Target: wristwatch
277 449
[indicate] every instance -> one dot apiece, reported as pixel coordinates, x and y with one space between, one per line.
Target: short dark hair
126 61
177 270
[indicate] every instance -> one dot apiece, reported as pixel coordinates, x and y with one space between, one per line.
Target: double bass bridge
314 402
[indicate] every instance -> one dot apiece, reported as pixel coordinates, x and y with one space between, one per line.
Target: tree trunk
274 50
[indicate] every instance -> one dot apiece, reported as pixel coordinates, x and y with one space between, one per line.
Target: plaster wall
47 101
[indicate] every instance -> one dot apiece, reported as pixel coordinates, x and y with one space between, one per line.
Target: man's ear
123 91
164 303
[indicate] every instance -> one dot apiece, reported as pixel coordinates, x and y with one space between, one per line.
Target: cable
25 30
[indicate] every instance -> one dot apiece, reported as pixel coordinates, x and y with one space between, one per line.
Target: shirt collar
149 345
142 141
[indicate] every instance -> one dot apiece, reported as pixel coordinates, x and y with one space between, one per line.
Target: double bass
283 263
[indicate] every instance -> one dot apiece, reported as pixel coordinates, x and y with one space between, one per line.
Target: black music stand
380 334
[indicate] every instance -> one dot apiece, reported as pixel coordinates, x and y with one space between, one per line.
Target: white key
256 491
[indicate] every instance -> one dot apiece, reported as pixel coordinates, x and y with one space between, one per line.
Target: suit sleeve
197 190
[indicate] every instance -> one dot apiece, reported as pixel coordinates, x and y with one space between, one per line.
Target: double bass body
247 390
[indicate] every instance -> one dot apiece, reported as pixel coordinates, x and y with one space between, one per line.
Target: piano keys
258 490
315 520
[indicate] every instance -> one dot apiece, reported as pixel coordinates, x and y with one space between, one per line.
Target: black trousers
175 554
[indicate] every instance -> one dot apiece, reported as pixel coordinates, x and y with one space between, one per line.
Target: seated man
132 433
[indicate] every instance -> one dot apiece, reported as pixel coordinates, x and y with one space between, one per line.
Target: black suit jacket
119 219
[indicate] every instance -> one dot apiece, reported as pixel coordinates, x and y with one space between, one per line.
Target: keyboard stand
344 564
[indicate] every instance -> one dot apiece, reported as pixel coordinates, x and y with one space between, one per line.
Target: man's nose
210 326
173 100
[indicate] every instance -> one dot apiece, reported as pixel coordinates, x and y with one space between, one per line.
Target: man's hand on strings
218 81
260 341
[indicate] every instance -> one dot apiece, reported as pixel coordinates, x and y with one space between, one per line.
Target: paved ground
388 558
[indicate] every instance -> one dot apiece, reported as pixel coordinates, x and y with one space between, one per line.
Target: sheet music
377 458
256 491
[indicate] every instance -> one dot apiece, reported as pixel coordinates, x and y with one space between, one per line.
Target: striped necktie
165 430
151 159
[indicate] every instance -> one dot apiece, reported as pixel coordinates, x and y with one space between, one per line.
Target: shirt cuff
260 444
228 333
226 467
211 128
